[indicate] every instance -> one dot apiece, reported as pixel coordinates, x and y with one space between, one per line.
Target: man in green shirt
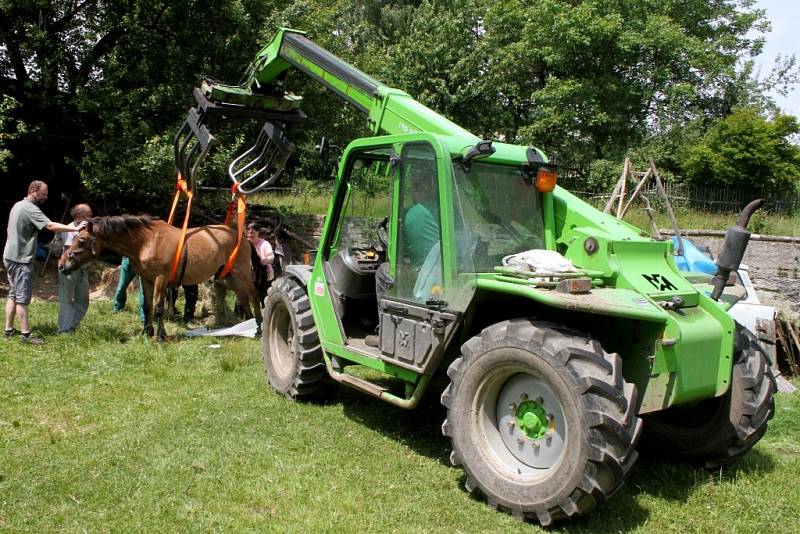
421 229
423 232
24 223
420 223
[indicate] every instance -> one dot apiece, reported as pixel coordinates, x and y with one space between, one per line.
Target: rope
181 187
239 200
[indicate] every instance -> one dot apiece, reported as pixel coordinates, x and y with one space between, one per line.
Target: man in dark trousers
24 223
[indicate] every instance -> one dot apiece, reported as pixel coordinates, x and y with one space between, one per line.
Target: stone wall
309 229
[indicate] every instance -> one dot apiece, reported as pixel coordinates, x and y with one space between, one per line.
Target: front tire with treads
540 419
292 354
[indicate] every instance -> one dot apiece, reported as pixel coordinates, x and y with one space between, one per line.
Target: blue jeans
126 275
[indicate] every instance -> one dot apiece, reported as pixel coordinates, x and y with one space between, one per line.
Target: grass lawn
760 223
104 430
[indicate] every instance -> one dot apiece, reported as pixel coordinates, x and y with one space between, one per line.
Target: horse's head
84 248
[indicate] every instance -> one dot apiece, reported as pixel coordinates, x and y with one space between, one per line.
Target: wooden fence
686 196
703 198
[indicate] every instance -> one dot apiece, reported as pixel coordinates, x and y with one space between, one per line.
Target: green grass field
104 430
769 223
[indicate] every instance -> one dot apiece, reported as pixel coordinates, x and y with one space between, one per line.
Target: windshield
497 212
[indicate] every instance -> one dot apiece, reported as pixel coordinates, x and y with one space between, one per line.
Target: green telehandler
566 334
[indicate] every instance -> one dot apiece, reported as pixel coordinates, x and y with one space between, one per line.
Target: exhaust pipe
736 239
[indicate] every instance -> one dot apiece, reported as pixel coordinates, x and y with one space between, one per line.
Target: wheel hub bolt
512 407
511 425
524 396
540 400
520 442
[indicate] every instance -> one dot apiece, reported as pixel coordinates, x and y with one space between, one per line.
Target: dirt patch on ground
774 270
102 279
45 284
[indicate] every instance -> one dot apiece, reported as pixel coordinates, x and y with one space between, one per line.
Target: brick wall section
361 231
308 227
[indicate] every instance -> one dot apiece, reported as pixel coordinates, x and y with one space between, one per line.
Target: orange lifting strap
239 200
181 187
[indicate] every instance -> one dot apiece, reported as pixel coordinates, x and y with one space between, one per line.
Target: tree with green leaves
100 87
746 151
590 79
97 83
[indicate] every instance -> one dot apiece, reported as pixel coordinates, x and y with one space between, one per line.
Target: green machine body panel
674 353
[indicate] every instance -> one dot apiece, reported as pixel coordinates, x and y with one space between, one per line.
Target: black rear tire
720 430
585 443
292 354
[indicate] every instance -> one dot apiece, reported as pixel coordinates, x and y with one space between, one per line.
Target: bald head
80 212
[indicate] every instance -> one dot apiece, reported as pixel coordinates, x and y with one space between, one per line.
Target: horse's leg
190 294
257 310
159 296
220 307
147 306
172 297
252 292
246 292
237 287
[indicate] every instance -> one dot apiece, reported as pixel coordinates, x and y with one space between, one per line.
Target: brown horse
151 245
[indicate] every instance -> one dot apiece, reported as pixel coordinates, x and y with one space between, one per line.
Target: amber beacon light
546 179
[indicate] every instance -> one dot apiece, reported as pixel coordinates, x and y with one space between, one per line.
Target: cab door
421 302
420 311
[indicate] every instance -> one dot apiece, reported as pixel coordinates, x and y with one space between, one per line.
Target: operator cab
382 256
411 230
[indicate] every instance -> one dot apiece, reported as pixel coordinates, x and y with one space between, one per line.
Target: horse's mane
121 224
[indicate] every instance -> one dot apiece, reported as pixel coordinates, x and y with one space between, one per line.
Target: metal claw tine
270 152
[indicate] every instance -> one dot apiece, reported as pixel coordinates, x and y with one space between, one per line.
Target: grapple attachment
262 163
191 145
218 103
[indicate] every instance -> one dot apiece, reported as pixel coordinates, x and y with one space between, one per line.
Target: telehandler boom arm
389 111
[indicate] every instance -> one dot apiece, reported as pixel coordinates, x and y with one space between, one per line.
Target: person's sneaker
30 338
8 334
372 341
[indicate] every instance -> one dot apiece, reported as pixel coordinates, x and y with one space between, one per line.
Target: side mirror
481 149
